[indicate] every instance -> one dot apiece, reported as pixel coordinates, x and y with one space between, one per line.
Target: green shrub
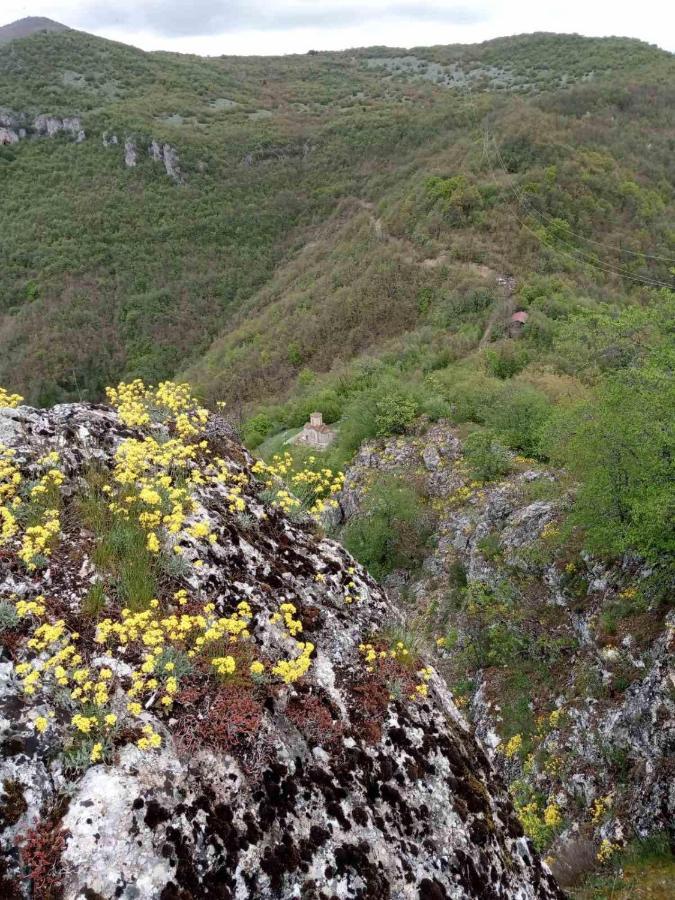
395 412
391 531
507 360
487 457
621 447
518 417
436 408
256 429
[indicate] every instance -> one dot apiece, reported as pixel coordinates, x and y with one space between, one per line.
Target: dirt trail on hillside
406 248
502 309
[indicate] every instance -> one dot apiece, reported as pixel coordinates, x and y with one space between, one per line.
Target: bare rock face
130 153
346 787
170 157
8 136
51 125
14 127
167 155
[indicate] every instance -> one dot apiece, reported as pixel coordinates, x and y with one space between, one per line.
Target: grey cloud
183 18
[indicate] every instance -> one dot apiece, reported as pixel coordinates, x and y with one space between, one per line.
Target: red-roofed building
517 323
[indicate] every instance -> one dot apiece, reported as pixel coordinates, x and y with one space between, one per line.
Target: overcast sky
295 26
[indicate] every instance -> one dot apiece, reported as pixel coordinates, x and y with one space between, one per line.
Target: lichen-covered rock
348 786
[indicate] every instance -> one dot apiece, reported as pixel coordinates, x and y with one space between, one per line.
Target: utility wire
524 202
582 255
615 247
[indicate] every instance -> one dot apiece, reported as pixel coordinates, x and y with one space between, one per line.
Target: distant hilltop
30 25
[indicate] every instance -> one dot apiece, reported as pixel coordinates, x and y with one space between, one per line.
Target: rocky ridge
344 783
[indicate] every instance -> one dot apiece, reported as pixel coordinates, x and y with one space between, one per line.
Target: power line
606 246
582 255
524 202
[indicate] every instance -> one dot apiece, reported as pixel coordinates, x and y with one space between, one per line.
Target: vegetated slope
111 270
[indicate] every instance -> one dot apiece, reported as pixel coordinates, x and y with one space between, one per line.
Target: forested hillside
319 191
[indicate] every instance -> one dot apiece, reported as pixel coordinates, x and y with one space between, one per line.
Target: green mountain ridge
149 274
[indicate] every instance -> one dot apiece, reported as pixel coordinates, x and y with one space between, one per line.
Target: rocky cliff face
16 127
330 766
563 663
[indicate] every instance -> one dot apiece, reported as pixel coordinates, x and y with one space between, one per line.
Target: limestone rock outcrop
343 783
598 634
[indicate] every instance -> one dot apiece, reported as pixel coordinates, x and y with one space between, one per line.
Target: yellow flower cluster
459 496
513 746
553 765
536 825
130 401
292 669
156 479
39 507
34 607
146 639
224 665
58 666
138 405
9 400
600 806
349 587
371 655
42 723
552 816
151 740
287 612
606 851
189 634
10 477
38 539
145 473
154 483
422 689
399 653
310 489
